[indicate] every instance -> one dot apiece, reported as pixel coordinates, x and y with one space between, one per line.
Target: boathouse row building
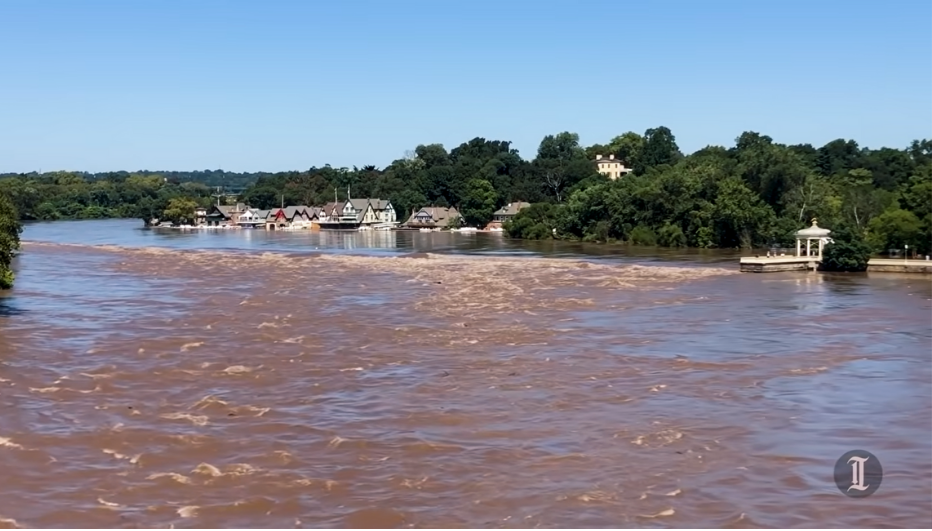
368 211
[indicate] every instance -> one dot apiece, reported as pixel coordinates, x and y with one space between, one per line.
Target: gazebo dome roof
815 231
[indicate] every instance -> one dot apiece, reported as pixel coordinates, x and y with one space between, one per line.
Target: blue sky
279 85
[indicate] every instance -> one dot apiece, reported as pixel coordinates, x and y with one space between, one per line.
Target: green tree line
756 193
71 195
211 178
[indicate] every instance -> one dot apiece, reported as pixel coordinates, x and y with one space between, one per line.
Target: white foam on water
207 470
259 411
44 390
132 459
665 512
173 475
188 511
197 420
5 442
9 522
95 376
208 401
107 504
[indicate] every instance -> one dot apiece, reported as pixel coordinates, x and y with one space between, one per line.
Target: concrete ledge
773 264
888 265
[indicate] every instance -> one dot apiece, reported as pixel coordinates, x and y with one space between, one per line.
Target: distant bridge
228 191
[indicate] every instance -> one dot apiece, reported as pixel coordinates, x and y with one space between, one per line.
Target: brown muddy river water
424 380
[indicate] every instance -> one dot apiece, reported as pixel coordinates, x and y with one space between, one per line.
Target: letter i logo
858 473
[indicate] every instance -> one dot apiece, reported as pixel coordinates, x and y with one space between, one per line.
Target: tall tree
432 155
479 203
10 229
561 163
659 148
861 200
890 168
921 151
771 170
627 147
838 156
180 211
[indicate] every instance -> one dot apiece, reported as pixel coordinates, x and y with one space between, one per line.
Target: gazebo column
816 233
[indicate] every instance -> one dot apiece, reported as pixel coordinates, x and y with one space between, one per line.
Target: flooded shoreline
132 234
246 387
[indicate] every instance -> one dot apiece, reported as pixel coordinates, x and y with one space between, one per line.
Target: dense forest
211 178
756 193
68 195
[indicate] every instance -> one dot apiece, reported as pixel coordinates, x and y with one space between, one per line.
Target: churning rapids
155 385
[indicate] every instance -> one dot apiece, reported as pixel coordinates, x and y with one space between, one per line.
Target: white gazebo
815 233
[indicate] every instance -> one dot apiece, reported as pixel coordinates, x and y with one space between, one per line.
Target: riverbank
132 233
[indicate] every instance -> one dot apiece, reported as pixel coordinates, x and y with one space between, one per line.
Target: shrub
642 235
671 236
847 252
538 231
598 233
535 222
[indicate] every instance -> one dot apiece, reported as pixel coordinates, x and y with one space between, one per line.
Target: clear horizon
286 85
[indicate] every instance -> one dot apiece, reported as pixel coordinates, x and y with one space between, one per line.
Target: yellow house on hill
611 167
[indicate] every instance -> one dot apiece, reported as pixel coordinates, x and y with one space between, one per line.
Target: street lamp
906 253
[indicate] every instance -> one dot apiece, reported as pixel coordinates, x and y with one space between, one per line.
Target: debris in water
189 511
665 512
